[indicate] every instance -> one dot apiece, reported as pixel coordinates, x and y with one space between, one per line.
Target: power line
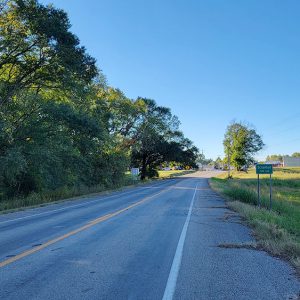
286 142
283 120
279 132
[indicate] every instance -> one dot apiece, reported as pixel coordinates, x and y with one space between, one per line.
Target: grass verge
61 194
68 193
276 231
174 173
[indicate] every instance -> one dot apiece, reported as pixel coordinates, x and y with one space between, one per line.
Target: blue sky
211 62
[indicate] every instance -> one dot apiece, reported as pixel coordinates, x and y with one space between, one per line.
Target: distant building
167 168
200 166
275 163
289 161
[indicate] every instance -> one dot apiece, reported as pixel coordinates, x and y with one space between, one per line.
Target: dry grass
173 173
277 231
42 198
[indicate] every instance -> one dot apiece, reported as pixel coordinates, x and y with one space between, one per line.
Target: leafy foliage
38 50
275 157
240 144
61 126
159 140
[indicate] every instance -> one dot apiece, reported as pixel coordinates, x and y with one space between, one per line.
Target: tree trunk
144 168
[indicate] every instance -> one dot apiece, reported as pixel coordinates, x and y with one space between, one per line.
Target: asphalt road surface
158 241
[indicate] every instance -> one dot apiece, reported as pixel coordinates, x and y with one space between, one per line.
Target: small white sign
135 171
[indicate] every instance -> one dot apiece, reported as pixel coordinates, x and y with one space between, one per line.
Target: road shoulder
219 263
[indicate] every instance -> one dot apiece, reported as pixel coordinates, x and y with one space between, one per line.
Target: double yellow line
73 232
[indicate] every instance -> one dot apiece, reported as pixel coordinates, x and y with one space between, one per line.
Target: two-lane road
149 242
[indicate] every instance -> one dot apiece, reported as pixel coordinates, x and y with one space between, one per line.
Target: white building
289 161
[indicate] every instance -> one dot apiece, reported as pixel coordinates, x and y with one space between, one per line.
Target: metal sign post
264 169
270 205
258 191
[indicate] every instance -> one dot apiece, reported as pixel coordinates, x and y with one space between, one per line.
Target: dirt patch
230 216
251 246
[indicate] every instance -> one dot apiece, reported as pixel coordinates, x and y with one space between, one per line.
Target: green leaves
158 140
240 144
38 50
60 124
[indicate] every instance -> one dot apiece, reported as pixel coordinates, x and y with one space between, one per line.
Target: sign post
270 205
258 191
264 169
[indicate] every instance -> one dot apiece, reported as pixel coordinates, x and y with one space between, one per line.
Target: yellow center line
190 188
73 232
183 188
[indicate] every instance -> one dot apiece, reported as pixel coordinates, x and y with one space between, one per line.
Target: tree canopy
279 157
38 50
61 125
240 144
275 157
158 139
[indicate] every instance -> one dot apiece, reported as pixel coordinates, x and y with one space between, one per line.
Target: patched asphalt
129 256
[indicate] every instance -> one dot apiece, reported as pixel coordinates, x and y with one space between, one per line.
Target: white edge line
171 283
72 206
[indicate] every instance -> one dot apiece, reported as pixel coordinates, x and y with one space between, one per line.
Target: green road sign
264 169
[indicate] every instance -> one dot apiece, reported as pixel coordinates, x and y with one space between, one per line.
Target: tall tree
218 163
37 50
158 140
60 124
124 114
275 157
296 154
48 138
240 144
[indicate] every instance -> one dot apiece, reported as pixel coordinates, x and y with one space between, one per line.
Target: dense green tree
275 157
61 126
38 50
201 159
53 128
240 144
218 163
158 140
124 114
296 154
